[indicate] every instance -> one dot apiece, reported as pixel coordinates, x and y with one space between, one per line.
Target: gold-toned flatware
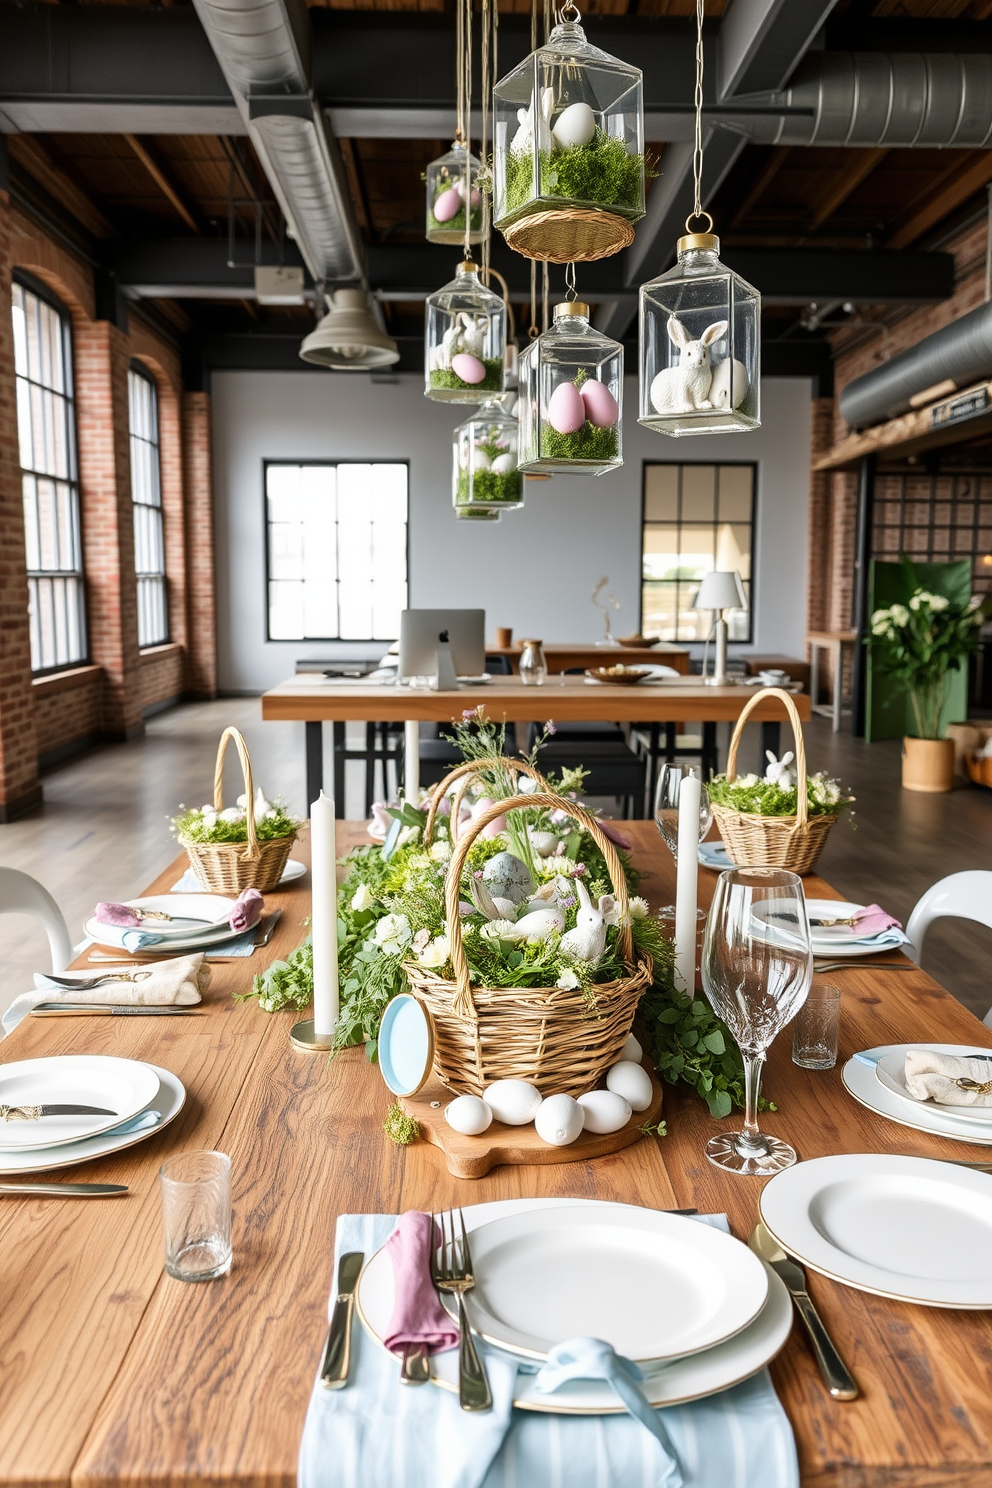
451 1271
111 1010
977 1087
827 924
337 1350
836 1376
87 984
66 1190
415 1368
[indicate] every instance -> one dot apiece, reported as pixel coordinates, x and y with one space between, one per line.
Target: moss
489 486
456 224
602 173
587 443
443 377
399 1127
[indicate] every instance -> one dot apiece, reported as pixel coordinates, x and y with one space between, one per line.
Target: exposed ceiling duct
263 47
954 357
898 100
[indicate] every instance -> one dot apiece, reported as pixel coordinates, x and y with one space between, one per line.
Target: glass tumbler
196 1211
816 1029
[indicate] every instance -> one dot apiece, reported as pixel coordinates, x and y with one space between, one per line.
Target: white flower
880 627
881 617
917 599
938 602
232 814
393 934
407 835
440 852
747 780
209 809
900 614
498 930
436 953
638 908
362 898
568 981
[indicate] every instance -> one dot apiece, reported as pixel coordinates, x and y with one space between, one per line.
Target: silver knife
34 1113
67 1190
836 1375
94 1009
337 1349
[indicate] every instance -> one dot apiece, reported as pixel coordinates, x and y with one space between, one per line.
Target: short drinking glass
756 972
666 806
196 1209
816 1029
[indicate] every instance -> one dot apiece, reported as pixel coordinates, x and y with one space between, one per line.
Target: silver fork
74 984
451 1270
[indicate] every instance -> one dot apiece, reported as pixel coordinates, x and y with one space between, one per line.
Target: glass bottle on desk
533 666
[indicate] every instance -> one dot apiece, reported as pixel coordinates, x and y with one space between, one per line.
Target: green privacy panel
888 712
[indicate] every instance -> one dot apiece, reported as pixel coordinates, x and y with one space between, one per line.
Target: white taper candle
411 763
687 884
324 921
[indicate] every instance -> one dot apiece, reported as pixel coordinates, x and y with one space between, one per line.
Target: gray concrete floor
103 830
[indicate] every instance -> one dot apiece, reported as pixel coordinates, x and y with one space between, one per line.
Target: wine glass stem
751 1140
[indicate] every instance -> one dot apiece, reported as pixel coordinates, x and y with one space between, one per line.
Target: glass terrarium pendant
465 341
485 476
568 150
700 345
571 381
452 191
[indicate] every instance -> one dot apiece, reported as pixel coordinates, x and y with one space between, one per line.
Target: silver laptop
421 630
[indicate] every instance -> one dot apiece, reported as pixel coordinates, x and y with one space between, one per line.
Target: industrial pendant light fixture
699 326
349 338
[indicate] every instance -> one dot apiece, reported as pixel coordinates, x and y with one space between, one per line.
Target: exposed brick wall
202 648
163 674
67 708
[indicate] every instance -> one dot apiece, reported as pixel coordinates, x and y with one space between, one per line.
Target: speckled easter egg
447 205
566 410
508 877
468 368
602 409
576 125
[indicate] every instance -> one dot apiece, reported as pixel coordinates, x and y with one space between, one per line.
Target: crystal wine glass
757 968
666 806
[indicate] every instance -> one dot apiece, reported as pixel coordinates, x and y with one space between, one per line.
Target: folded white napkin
931 1076
169 983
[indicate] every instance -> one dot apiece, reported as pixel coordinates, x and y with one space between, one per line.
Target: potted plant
922 644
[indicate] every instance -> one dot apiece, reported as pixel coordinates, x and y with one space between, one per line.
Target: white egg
544 843
514 1102
632 1050
729 387
481 461
631 1081
575 125
504 464
605 1111
559 1120
469 1115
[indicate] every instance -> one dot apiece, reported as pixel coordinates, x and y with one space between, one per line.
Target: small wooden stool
833 643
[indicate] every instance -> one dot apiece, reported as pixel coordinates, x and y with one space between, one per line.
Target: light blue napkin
892 936
380 1434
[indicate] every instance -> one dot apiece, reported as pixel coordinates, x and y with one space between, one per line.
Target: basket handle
242 748
467 770
463 1005
792 712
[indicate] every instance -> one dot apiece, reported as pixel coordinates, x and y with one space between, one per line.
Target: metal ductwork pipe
263 47
899 100
954 357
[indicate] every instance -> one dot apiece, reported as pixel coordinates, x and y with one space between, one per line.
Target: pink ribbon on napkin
246 910
417 1316
872 921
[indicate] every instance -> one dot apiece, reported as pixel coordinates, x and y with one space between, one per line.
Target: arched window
46 430
146 494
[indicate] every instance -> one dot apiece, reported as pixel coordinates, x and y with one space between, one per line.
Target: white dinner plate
124 1086
839 942
903 1227
713 854
168 1101
673 1383
861 1081
293 870
191 914
208 937
891 1072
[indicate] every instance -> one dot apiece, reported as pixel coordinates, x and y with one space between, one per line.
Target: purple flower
468 714
549 727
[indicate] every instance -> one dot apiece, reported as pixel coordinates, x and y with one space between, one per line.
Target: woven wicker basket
565 235
230 867
466 774
792 842
560 1041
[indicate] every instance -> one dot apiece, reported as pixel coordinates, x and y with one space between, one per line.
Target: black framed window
336 549
46 431
146 495
696 518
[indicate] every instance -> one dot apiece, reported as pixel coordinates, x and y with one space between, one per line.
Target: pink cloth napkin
873 920
418 1316
247 910
117 914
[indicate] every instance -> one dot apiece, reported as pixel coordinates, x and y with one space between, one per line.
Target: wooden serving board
473 1157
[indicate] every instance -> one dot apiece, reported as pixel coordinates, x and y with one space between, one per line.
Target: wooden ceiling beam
843 184
950 194
31 155
158 175
761 183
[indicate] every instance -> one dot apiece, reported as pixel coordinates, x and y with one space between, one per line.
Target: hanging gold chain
460 72
467 63
697 147
486 82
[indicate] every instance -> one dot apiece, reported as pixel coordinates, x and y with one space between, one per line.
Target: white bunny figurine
524 138
450 343
685 388
473 333
587 941
778 772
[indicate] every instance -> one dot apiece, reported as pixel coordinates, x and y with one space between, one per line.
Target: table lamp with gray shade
720 591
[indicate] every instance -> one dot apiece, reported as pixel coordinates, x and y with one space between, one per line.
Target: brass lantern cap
571 307
468 266
699 240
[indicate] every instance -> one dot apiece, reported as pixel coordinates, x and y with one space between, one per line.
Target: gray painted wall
534 570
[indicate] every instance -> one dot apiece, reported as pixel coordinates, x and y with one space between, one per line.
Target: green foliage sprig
691 1046
284 984
203 824
759 797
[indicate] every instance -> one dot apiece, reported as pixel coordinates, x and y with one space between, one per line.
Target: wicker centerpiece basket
559 1040
792 842
230 867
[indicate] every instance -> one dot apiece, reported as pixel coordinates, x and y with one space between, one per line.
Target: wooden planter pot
928 764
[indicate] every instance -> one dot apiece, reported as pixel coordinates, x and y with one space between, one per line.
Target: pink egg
447 205
566 410
602 409
468 368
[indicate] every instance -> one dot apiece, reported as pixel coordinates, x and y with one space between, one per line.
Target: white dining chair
22 894
962 896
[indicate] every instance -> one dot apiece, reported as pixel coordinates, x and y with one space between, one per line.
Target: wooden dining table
114 1375
561 656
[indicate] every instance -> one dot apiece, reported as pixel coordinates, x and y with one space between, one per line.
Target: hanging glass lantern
452 189
484 469
571 382
471 514
568 150
465 341
699 345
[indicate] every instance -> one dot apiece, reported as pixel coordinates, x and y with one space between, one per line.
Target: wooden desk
113 1375
562 656
316 701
